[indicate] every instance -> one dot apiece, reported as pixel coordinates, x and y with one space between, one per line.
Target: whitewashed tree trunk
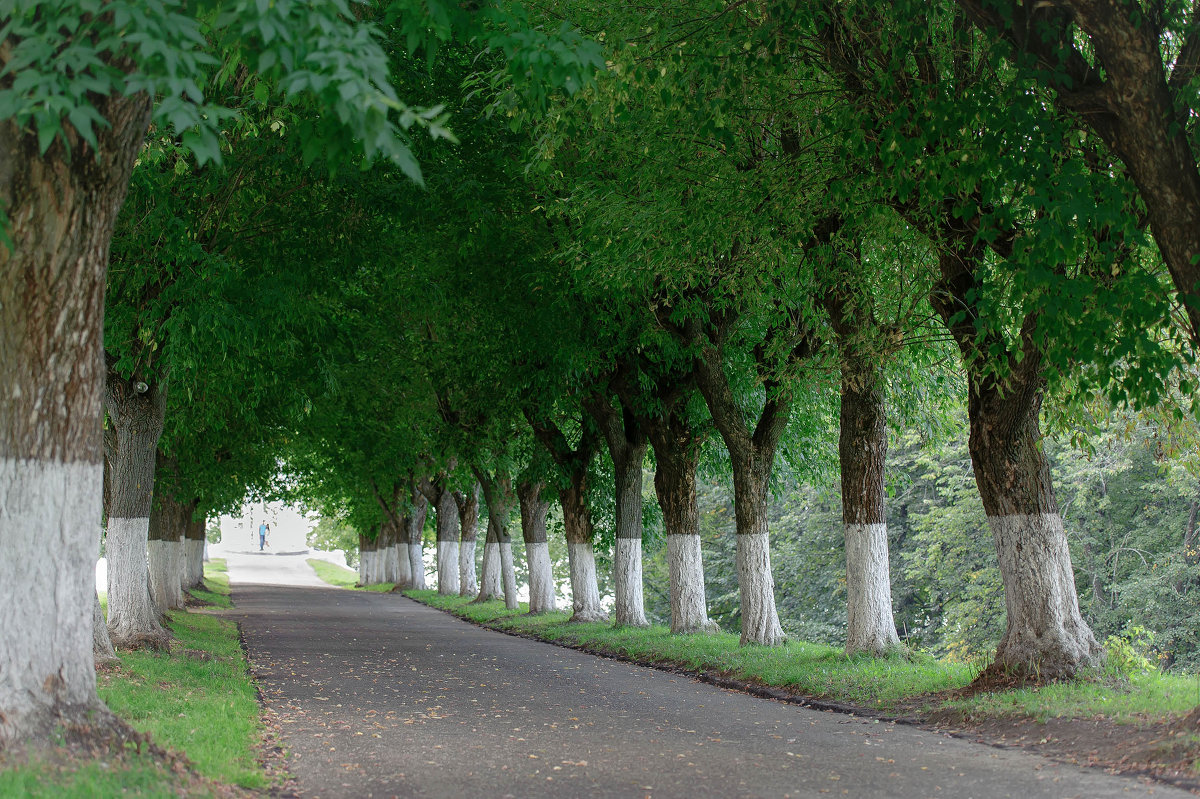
468 522
163 549
102 646
490 584
416 530
363 549
862 451
135 410
534 510
581 557
676 455
61 202
627 445
509 574
193 551
447 521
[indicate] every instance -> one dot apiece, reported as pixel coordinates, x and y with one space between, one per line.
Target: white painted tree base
685 567
447 567
193 563
49 518
416 565
164 558
585 592
760 621
490 585
509 575
133 617
870 627
627 583
467 583
541 577
1044 624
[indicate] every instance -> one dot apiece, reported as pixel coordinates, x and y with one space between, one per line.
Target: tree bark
534 510
468 518
164 549
862 452
62 205
498 573
1045 635
627 446
366 557
446 510
416 541
193 549
751 455
102 646
676 455
135 411
577 519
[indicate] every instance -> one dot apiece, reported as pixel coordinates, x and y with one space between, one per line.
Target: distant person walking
262 536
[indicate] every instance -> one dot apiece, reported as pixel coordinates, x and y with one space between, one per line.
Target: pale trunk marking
509 575
685 567
1036 565
760 622
416 563
447 567
870 626
490 586
132 614
627 582
585 593
467 585
49 514
541 577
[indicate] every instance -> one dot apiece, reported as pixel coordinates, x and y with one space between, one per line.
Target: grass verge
341 577
197 701
895 685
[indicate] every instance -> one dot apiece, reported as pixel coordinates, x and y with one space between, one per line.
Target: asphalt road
380 696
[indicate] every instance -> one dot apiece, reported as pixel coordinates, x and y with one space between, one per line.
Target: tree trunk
676 456
446 512
534 510
577 522
135 411
404 581
365 553
627 446
862 450
1045 634
416 532
468 517
751 456
164 548
193 550
62 205
498 572
102 647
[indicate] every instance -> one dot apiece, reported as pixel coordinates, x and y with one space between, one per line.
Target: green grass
899 683
199 701
343 578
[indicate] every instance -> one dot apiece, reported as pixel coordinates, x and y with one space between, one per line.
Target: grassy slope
199 700
341 577
893 684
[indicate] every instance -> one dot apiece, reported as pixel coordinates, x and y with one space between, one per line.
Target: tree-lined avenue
378 695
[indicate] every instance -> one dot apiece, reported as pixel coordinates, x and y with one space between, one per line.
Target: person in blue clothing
262 536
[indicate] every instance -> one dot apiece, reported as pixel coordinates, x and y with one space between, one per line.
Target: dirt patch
1166 750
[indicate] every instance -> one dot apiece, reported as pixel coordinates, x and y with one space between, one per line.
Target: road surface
379 696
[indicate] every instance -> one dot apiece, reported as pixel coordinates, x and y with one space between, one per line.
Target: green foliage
332 534
1125 654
